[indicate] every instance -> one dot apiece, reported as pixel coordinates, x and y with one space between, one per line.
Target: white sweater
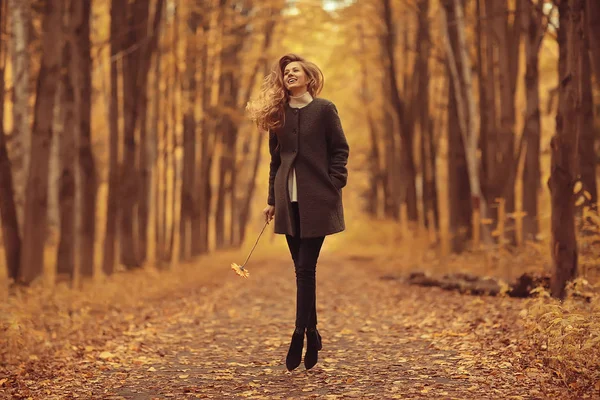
296 102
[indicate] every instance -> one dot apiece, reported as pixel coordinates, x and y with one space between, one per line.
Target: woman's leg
306 266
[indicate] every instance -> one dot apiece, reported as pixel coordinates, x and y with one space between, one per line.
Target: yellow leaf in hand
240 270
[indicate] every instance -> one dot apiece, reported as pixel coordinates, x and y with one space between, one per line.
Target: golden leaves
240 270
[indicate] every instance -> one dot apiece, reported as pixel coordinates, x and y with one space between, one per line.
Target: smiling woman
309 153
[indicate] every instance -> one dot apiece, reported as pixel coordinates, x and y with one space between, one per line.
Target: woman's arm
338 148
273 167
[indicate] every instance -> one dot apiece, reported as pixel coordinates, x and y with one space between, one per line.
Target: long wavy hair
267 111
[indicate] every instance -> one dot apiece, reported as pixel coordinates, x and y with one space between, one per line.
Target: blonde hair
267 111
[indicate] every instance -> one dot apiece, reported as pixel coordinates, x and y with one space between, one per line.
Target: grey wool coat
313 141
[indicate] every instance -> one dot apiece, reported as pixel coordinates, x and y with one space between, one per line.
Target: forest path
381 339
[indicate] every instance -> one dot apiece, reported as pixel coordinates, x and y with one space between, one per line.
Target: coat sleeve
273 167
338 148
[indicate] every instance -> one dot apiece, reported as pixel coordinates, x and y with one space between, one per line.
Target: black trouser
305 253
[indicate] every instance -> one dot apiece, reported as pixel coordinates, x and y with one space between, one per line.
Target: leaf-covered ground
228 339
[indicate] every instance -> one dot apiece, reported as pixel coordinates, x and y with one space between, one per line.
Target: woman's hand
269 213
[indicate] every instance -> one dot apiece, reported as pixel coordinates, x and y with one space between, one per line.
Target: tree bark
116 24
534 33
189 137
87 164
34 228
564 153
593 18
21 135
407 161
202 176
427 156
145 148
8 210
65 258
587 131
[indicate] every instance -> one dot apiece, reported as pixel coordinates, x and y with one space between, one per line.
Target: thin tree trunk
87 164
587 131
422 70
593 18
147 51
199 218
564 153
8 211
189 136
156 158
36 200
65 259
534 33
468 120
372 205
173 138
21 136
116 24
409 170
137 23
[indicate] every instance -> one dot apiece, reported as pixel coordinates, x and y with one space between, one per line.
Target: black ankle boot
313 344
294 355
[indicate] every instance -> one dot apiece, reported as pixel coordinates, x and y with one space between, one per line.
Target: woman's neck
301 100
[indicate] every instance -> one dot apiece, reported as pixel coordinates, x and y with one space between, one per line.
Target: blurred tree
587 132
65 258
593 18
21 135
116 25
458 172
8 211
35 227
534 29
402 115
87 166
564 147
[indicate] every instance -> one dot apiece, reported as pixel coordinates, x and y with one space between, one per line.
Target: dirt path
381 339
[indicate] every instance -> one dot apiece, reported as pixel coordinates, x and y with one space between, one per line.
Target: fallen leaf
106 355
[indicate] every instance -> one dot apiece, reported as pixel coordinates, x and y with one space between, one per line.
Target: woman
309 153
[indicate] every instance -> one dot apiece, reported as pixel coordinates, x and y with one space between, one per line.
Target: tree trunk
532 127
564 154
145 148
409 170
36 200
87 165
593 18
156 113
372 206
21 136
427 158
137 23
458 172
189 137
8 211
201 184
116 24
65 259
587 131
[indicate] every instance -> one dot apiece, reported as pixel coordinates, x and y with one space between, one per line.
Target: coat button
295 111
295 131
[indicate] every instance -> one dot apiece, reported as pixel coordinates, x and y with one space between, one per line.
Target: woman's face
294 77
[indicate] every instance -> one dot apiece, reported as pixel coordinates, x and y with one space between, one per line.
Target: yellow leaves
151 369
105 355
240 270
577 187
183 376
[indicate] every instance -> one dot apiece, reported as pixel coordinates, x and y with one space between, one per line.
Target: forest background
125 148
